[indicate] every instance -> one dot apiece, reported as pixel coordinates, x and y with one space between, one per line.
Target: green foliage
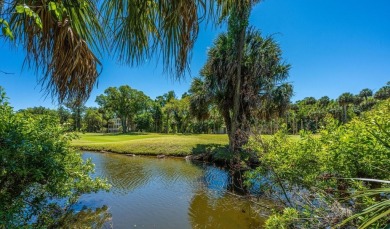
360 148
37 169
63 39
375 214
125 102
261 72
383 92
282 221
24 9
6 29
280 154
318 164
92 120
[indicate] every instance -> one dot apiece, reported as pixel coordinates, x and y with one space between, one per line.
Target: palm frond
375 212
60 48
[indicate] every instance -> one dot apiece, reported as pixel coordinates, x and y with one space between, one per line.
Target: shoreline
207 156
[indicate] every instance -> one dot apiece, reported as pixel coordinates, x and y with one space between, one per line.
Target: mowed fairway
150 144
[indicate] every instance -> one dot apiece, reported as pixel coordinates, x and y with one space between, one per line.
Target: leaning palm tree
64 39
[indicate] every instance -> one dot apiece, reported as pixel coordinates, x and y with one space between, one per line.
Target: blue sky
333 46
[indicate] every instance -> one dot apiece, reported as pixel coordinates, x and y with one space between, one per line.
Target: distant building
114 125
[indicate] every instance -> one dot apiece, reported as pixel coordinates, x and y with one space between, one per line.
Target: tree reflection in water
169 193
88 218
225 211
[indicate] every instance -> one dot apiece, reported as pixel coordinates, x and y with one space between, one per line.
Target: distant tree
365 93
169 96
168 108
275 107
309 100
368 104
93 121
344 100
106 115
125 102
39 111
144 122
323 101
383 93
182 114
64 115
199 102
77 109
357 100
157 114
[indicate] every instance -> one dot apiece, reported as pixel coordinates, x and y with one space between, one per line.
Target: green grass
151 144
155 144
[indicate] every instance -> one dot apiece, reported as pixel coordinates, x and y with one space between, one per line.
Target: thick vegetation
312 176
40 175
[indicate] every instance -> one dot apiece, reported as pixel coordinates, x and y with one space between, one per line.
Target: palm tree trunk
238 28
345 113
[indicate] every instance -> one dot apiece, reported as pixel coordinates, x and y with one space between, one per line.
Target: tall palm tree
344 100
64 39
261 72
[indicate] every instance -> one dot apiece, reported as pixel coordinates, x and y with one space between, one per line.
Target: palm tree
261 72
383 92
199 100
63 40
323 101
365 93
344 100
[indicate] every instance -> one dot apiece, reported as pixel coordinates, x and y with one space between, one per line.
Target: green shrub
319 165
37 169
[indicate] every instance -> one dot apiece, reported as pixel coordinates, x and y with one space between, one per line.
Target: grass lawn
154 144
151 143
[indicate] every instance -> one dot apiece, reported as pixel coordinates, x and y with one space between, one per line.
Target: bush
316 166
40 174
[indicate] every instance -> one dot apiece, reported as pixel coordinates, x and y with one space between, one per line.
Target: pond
169 193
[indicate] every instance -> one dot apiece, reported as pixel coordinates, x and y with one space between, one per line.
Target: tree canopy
262 72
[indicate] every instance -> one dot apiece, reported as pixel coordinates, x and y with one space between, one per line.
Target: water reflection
227 211
168 193
85 218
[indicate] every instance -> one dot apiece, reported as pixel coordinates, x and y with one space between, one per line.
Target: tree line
169 113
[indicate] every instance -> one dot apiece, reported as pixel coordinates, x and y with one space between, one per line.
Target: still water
168 193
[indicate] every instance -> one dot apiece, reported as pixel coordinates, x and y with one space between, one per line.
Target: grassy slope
151 144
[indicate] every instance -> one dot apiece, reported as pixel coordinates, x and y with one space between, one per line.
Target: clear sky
334 46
